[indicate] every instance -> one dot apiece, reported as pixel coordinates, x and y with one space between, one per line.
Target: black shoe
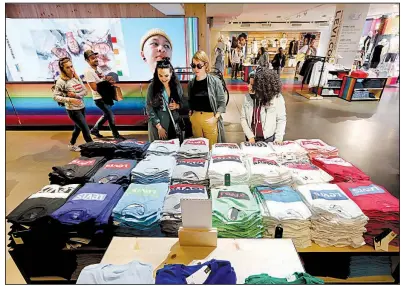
97 134
120 137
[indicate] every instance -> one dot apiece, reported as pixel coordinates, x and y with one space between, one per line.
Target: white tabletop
276 257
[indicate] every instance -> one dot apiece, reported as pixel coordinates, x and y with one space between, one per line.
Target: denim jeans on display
78 116
107 116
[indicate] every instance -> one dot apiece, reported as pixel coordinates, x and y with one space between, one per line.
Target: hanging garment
376 56
283 43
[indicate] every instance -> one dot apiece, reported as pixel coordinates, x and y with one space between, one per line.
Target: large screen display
126 47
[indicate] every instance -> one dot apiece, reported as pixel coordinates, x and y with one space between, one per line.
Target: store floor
366 133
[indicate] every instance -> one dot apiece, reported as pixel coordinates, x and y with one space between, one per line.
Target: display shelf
365 99
362 249
348 88
362 280
328 87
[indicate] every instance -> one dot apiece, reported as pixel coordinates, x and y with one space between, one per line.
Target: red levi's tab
117 166
80 162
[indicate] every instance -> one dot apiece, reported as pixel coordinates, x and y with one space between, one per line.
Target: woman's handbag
119 94
179 130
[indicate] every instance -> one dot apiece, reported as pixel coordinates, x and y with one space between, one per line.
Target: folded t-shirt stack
316 147
306 173
191 171
378 205
30 220
265 171
153 169
194 148
171 219
236 214
164 147
91 205
361 266
78 171
339 169
99 148
138 212
226 149
131 149
283 206
288 147
296 278
116 171
235 165
336 219
259 149
220 272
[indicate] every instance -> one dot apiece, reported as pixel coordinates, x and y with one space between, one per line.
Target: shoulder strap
169 111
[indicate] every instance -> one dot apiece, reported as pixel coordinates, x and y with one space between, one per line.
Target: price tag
17 240
291 278
200 276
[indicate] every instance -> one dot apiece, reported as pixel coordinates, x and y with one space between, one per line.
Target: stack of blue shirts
117 171
153 169
93 204
139 210
131 149
370 266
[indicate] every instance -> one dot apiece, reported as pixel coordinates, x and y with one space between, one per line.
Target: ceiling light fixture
305 13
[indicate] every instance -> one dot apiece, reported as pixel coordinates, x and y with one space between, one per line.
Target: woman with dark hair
164 92
264 58
263 115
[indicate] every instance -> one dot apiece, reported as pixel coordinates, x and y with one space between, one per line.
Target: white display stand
277 257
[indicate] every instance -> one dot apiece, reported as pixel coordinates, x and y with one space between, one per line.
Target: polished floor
366 133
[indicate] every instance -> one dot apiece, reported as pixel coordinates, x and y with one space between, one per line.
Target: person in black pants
70 90
94 75
278 62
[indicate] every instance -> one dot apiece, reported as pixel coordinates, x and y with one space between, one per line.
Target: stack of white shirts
226 149
288 147
292 158
164 147
194 148
191 171
265 171
317 147
283 206
228 164
259 149
336 219
306 173
153 169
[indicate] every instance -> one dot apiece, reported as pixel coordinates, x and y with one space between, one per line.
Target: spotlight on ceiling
278 17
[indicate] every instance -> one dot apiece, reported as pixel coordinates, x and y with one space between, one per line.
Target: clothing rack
322 59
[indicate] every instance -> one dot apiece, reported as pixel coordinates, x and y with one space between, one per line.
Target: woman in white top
263 115
70 90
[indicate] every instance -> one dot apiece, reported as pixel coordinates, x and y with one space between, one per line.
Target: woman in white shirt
263 115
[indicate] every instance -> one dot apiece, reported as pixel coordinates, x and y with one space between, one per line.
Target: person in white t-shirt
235 61
94 75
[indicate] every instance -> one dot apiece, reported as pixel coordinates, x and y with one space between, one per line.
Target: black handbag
179 126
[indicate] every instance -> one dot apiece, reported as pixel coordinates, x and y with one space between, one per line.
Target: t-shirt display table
277 257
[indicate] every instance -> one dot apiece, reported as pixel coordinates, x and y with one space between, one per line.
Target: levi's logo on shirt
192 162
288 143
300 166
117 166
226 158
234 195
77 87
135 142
195 142
331 195
257 161
226 145
89 197
307 142
334 161
143 192
256 144
83 162
167 142
186 189
366 190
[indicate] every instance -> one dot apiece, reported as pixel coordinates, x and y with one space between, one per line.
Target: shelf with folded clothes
348 249
352 89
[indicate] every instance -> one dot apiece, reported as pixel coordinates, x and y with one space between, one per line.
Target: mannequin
283 41
293 49
264 42
255 46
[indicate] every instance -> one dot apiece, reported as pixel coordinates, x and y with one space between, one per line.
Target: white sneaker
74 148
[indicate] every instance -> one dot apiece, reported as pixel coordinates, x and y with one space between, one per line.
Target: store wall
98 10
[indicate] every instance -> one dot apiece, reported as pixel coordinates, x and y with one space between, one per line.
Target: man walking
278 62
93 75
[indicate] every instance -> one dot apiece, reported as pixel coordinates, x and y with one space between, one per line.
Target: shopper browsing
263 115
235 61
155 46
93 76
263 60
164 92
70 90
206 101
278 62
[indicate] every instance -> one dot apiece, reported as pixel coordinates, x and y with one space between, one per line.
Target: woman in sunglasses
206 101
70 90
164 92
263 115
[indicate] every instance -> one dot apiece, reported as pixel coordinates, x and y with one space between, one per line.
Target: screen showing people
127 47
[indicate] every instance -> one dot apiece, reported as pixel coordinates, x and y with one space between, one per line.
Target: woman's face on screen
155 49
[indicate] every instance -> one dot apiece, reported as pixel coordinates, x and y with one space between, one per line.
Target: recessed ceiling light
278 17
324 16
